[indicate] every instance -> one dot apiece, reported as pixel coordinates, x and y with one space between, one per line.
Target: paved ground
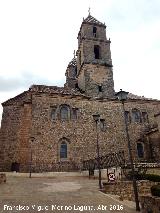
57 194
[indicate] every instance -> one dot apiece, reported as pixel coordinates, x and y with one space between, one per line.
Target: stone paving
57 194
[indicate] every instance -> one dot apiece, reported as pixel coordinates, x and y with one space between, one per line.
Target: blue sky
38 37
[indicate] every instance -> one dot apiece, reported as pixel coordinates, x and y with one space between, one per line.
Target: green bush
155 190
151 177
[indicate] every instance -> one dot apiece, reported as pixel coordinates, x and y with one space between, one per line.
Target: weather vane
89 11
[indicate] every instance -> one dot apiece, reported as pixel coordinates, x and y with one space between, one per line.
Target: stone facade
157 117
93 71
55 126
150 204
125 189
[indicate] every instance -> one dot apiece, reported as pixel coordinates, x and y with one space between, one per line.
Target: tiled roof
73 62
137 97
132 96
92 20
24 96
54 90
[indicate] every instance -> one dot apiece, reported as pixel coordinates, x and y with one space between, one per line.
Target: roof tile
92 20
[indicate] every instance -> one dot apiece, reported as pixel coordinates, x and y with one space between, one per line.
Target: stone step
48 174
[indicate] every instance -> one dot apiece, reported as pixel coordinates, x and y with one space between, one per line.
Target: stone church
52 127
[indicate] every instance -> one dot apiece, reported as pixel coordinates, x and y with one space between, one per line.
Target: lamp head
122 95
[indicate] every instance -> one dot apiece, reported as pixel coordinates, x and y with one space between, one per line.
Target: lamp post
122 96
96 119
30 165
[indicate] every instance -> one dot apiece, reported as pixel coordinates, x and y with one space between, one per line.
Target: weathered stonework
157 117
125 189
94 63
56 126
3 178
150 204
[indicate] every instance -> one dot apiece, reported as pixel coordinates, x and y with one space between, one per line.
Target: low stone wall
150 204
2 178
46 174
125 188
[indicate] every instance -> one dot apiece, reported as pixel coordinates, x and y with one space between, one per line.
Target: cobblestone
57 194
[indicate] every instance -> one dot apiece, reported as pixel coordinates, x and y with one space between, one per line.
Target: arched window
97 51
127 116
75 72
136 116
102 124
76 86
145 116
99 88
53 113
74 113
94 31
140 150
64 112
63 150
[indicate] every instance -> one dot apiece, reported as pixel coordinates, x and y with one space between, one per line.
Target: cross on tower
89 11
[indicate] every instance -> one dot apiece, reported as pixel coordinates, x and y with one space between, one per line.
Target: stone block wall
150 204
14 131
157 117
23 119
80 133
125 189
3 178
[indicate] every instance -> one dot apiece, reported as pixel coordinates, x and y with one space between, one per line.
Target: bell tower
94 63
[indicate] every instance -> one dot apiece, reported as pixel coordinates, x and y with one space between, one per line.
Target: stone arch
65 112
53 113
136 116
97 52
64 149
140 149
94 31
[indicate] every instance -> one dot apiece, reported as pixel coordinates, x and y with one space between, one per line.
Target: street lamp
30 165
96 118
122 96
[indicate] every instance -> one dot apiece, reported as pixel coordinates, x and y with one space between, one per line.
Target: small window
102 124
53 113
64 112
74 113
97 52
136 116
145 116
94 31
75 71
99 88
63 150
76 86
140 150
127 117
